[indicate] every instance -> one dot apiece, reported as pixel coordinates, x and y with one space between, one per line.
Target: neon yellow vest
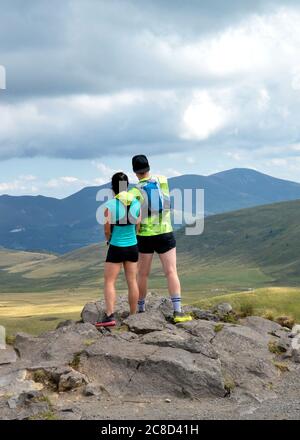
155 224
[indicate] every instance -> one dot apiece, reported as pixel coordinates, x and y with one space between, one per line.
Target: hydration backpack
155 200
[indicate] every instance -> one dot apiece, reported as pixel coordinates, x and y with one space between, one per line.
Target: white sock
176 301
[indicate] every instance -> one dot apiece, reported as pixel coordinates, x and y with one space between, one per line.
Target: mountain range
62 225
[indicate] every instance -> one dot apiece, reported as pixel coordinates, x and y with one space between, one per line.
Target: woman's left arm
107 225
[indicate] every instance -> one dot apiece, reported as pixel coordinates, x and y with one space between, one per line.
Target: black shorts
117 254
157 243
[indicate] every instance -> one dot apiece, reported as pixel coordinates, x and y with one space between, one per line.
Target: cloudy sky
199 86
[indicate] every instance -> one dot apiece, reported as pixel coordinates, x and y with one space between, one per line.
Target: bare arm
107 225
138 223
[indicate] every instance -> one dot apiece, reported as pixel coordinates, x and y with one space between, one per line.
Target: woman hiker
122 219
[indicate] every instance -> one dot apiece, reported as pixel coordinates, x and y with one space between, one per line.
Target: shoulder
136 192
161 179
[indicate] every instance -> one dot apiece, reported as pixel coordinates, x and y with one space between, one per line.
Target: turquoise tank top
123 236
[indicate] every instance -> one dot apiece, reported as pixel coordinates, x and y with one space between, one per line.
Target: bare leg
169 263
133 290
111 272
144 269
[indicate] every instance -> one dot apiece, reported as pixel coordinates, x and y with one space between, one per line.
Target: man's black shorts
117 254
156 243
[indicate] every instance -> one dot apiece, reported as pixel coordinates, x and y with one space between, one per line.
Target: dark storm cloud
79 46
88 77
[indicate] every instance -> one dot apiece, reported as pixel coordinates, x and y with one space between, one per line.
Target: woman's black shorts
117 254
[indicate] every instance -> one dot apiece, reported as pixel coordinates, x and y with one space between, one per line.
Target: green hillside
266 238
251 256
242 249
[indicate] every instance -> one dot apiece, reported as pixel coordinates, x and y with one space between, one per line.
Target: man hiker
156 234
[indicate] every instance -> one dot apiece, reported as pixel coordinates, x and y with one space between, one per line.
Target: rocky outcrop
135 369
145 357
295 345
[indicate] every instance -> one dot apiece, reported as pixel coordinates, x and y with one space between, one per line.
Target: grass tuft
89 342
229 385
269 314
46 415
275 348
10 339
246 309
218 328
281 366
230 318
75 363
286 321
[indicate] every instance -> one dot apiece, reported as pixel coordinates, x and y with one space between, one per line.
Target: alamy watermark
2 78
186 208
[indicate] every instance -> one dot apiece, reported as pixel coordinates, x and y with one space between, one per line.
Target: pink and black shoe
107 321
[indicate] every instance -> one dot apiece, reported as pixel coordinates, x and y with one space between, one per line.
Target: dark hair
119 183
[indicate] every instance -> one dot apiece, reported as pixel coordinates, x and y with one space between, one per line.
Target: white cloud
203 117
20 184
70 179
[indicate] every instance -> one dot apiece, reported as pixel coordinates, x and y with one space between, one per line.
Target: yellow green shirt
154 224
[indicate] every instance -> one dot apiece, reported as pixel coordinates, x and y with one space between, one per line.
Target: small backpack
155 200
127 219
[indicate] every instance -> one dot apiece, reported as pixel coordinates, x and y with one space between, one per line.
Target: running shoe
108 321
181 317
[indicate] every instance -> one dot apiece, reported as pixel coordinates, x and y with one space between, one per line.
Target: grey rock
58 346
295 330
92 312
164 305
284 343
180 339
12 403
261 325
246 359
146 322
71 380
282 332
154 303
126 336
23 398
199 328
15 383
147 358
201 314
92 389
69 412
56 373
296 348
206 315
133 368
66 323
8 356
222 309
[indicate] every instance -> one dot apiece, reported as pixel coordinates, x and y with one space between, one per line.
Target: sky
199 87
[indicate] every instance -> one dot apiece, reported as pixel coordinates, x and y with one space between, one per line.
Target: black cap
140 164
